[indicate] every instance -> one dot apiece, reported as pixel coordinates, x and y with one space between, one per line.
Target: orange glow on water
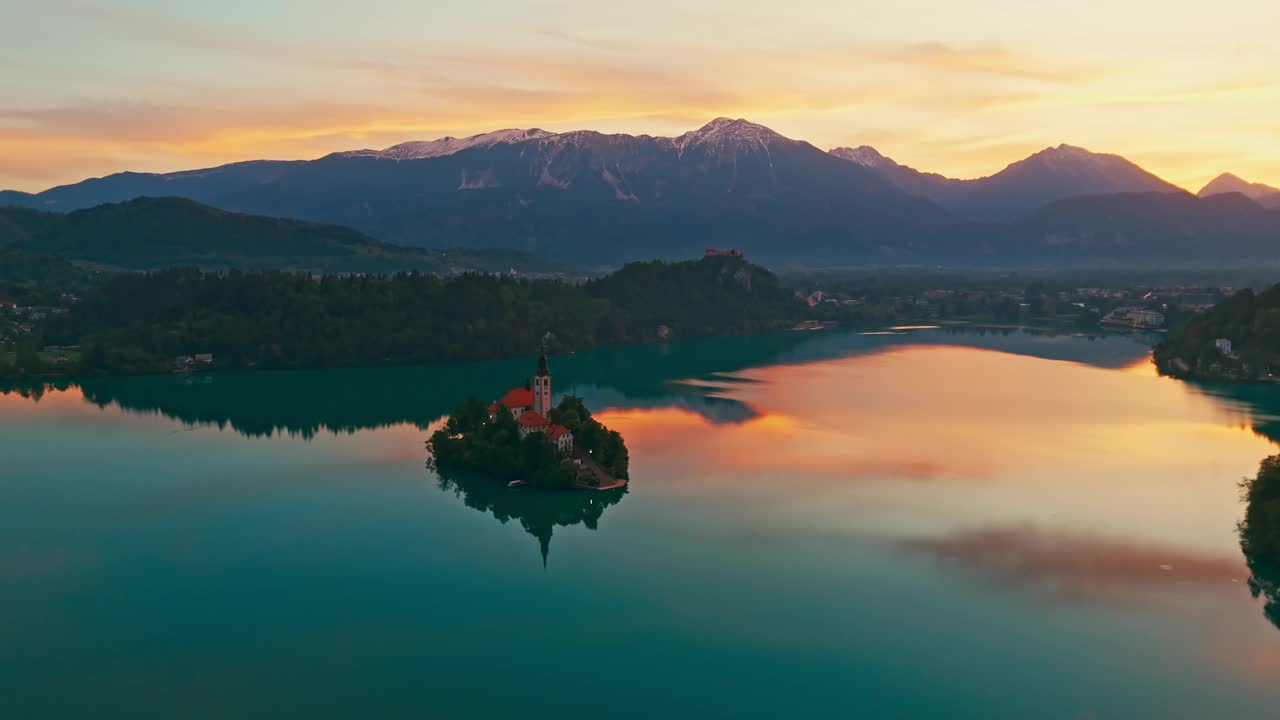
1003 437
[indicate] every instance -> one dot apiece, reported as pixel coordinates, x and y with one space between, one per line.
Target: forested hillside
1249 321
140 322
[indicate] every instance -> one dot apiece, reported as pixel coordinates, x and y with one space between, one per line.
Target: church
530 407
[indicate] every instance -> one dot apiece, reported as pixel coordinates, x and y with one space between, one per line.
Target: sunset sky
90 87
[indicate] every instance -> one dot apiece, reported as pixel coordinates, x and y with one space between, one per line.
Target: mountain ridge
1228 183
579 197
152 233
594 199
1051 174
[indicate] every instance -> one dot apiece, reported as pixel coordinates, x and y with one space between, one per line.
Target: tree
28 359
93 358
1260 529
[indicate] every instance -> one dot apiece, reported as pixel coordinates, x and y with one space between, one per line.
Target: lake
922 523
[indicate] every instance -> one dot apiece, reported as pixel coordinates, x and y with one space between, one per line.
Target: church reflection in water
537 511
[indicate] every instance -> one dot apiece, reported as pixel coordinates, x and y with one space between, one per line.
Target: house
204 358
1224 346
560 436
531 422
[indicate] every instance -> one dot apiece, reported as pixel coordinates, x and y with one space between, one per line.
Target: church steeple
542 386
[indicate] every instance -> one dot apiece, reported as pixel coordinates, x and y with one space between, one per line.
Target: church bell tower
542 386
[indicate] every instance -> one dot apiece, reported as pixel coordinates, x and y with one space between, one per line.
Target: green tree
28 359
1260 529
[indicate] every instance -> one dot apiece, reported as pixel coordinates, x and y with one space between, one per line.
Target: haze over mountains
149 233
594 199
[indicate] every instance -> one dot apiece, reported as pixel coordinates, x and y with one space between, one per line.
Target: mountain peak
863 155
1067 152
1075 159
1229 183
448 145
726 124
725 131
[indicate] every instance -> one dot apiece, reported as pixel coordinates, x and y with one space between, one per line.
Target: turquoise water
925 524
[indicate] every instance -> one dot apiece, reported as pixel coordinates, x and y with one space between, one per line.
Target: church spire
542 386
542 364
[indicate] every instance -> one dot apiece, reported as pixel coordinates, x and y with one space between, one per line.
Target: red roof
517 398
532 419
493 407
555 431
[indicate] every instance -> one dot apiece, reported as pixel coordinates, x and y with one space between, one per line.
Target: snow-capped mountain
864 155
592 198
420 149
582 196
725 133
720 133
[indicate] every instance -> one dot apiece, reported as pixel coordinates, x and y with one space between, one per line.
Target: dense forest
1249 321
141 322
473 442
36 279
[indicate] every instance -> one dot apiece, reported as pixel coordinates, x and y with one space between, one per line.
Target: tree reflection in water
1264 582
538 511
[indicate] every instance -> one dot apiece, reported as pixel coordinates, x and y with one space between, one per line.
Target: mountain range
597 199
1023 187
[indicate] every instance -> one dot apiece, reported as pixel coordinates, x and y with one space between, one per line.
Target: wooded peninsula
145 322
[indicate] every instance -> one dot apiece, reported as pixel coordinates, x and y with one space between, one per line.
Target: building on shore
1135 318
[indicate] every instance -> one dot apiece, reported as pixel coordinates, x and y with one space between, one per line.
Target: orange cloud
955 103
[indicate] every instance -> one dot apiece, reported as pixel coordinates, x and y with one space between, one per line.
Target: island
523 440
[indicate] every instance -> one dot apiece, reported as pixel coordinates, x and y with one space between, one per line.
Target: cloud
207 87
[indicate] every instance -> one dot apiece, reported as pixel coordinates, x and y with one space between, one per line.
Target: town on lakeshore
526 441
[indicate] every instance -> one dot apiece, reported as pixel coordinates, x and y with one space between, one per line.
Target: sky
1186 89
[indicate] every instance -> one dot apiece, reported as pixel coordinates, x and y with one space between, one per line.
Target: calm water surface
923 524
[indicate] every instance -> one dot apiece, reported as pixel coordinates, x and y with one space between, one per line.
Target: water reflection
689 376
1264 583
876 513
538 511
1075 567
